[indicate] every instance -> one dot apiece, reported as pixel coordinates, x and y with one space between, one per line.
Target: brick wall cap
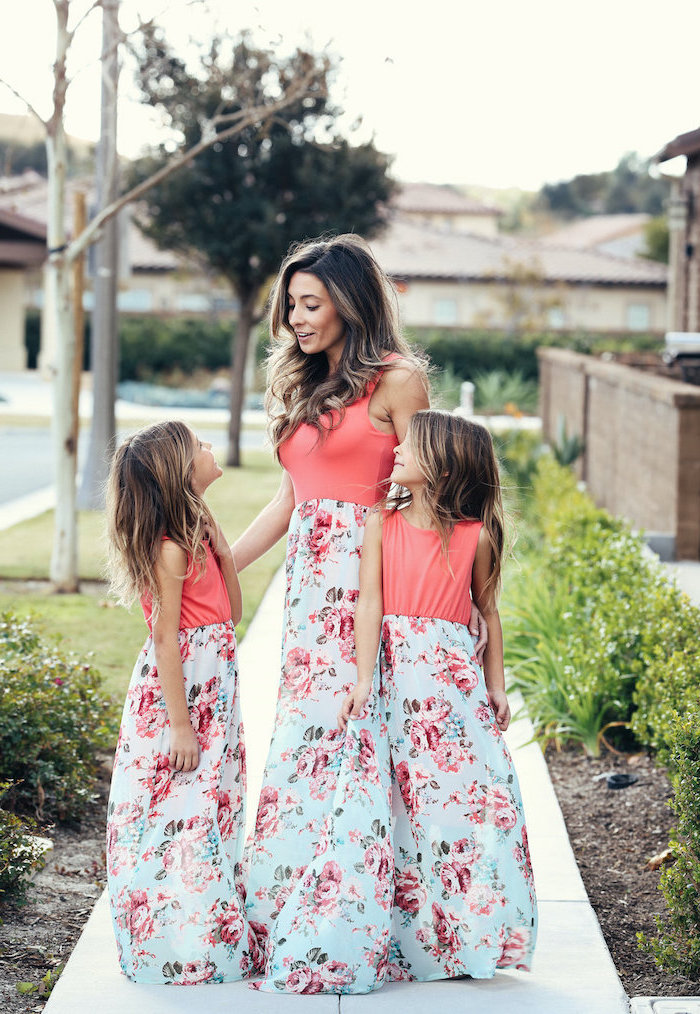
663 389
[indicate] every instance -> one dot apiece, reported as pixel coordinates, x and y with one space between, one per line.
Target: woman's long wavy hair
149 495
458 462
300 388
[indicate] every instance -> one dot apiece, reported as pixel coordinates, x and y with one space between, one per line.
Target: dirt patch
36 938
613 834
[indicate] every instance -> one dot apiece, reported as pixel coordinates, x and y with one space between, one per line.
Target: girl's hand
500 707
184 748
353 704
479 630
217 540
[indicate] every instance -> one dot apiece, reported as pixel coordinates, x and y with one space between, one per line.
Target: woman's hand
500 707
479 630
184 748
353 704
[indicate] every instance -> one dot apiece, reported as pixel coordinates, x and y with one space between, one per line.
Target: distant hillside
24 130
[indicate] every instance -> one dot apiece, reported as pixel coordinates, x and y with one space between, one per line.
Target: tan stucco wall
13 355
642 441
480 304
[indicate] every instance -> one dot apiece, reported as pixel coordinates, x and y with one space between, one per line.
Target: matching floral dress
394 850
342 893
175 839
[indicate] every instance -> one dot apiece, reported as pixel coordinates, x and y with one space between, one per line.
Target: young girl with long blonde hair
176 810
464 900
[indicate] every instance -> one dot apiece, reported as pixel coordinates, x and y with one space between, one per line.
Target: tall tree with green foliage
627 188
240 204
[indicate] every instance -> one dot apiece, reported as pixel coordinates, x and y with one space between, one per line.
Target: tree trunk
239 354
64 558
105 342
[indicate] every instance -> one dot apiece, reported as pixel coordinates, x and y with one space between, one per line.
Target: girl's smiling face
313 317
205 468
405 471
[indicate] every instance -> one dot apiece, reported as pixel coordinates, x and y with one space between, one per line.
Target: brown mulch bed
37 937
613 834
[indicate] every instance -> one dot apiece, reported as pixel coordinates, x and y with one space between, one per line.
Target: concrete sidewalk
573 971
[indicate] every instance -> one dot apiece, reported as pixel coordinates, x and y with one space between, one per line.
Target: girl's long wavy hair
149 495
458 462
300 388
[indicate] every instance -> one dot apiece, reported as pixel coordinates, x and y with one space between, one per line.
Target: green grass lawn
90 622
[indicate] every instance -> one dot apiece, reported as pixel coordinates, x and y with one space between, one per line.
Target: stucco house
443 251
22 250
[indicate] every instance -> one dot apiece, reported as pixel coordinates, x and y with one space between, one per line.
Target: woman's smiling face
314 318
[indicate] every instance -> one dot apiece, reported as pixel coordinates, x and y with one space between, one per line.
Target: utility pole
104 339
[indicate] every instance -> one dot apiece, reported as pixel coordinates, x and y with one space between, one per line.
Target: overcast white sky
504 93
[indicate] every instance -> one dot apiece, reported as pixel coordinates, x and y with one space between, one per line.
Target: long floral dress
464 901
320 859
175 839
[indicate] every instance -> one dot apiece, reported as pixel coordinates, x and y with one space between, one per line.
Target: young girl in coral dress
464 899
176 809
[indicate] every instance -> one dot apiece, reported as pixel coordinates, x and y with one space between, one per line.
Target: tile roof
593 231
27 195
407 250
684 144
431 198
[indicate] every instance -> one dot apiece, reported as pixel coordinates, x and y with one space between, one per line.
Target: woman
342 386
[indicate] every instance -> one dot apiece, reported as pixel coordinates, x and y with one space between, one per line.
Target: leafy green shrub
499 391
468 352
52 719
596 632
676 948
150 346
20 852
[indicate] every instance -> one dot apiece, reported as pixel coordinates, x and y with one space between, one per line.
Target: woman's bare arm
269 526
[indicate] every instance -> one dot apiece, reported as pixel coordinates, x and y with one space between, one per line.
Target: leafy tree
16 158
626 188
656 239
240 205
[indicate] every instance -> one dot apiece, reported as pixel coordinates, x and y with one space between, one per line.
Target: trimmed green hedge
676 948
468 352
596 632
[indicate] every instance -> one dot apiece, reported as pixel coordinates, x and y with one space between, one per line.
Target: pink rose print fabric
464 897
320 862
175 839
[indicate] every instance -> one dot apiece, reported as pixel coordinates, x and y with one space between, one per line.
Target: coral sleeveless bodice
204 598
416 579
349 463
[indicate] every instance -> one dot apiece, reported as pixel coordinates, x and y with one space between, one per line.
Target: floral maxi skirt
175 839
320 863
464 899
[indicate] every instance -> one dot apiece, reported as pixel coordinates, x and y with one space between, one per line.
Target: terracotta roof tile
407 250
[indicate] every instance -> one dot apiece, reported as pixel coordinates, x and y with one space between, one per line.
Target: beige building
453 279
684 233
450 266
22 250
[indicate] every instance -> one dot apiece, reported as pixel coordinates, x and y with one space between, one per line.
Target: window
135 300
445 311
193 302
556 317
638 316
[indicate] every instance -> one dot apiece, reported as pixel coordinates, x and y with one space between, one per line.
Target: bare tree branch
26 102
93 7
245 118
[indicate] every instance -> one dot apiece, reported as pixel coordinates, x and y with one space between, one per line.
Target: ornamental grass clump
676 948
53 719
